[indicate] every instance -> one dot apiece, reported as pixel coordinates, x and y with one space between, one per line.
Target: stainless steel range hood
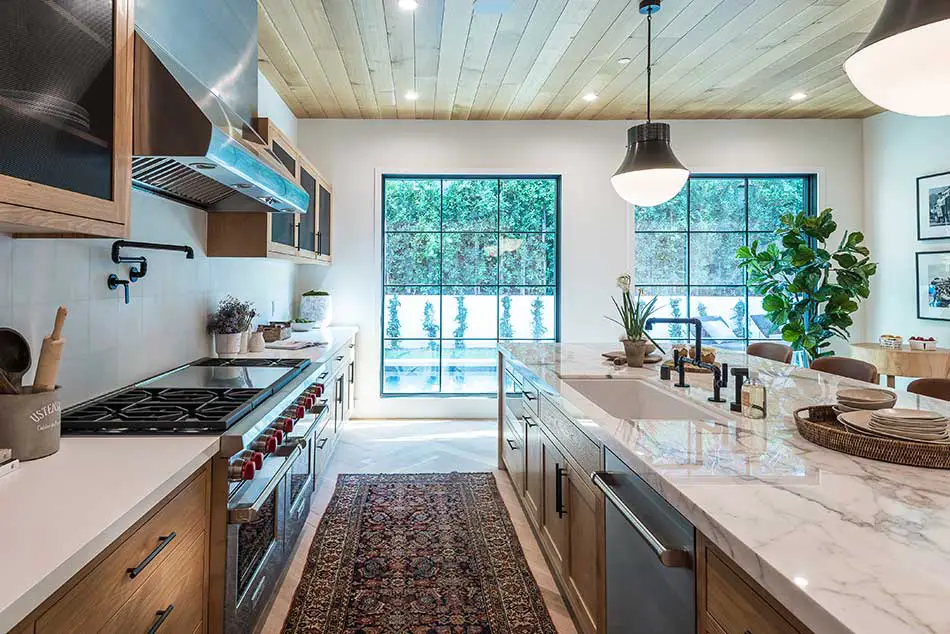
192 142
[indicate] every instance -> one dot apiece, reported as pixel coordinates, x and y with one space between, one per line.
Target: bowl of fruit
891 341
923 343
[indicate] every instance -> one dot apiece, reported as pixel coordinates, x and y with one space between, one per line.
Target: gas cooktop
207 396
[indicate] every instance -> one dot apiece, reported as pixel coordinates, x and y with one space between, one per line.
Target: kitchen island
845 545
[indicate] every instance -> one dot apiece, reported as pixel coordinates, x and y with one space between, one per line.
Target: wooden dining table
894 362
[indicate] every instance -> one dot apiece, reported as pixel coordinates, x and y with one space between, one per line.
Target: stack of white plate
904 424
864 398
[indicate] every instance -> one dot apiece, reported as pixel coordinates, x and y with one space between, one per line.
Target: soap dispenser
754 398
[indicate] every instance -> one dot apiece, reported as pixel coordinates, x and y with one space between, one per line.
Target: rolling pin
48 366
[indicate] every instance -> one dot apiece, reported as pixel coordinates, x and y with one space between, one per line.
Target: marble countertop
58 513
331 339
850 546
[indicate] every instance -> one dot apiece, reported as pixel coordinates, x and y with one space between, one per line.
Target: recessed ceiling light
408 5
591 96
412 95
624 61
799 96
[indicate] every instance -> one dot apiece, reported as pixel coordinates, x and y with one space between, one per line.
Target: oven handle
251 512
669 557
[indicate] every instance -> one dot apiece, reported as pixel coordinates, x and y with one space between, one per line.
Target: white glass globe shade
648 188
907 73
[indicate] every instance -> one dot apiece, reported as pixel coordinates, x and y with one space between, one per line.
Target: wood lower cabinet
514 456
583 568
554 521
730 602
154 575
534 474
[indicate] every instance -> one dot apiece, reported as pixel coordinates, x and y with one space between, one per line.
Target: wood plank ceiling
537 59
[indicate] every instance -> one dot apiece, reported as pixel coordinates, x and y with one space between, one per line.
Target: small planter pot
635 351
256 344
227 345
30 423
318 309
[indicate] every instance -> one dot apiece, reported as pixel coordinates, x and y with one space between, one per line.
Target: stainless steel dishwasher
651 582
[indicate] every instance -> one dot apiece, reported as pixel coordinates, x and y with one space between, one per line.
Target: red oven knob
285 424
265 443
277 435
258 459
241 470
318 390
299 412
310 402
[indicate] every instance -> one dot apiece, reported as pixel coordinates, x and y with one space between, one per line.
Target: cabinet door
307 226
554 510
583 569
534 470
513 453
66 114
324 229
283 227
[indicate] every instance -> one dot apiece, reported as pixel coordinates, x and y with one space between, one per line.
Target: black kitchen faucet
720 374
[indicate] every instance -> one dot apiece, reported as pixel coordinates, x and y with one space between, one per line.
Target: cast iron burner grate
166 410
253 363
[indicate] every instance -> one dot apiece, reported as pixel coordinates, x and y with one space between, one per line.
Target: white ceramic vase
318 309
227 345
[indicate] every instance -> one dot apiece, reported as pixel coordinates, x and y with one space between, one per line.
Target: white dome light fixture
902 65
650 173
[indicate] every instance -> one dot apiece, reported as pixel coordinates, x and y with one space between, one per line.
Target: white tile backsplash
111 344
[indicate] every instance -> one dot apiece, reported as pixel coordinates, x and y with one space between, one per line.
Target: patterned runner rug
417 554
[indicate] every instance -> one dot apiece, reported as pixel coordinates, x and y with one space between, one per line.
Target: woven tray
820 425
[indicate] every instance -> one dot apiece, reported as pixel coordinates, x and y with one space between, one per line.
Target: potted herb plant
809 290
229 323
633 315
315 306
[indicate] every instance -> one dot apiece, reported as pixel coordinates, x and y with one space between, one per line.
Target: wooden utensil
15 357
48 366
6 385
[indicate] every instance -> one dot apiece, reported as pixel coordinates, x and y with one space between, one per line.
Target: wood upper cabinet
300 237
65 117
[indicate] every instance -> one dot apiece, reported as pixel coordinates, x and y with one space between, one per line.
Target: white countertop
58 513
333 337
848 545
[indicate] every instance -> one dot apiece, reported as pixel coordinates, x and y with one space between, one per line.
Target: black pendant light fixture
904 64
650 173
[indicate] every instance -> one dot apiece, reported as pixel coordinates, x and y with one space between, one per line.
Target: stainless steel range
269 413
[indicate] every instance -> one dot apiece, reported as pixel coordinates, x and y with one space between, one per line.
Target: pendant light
650 173
903 65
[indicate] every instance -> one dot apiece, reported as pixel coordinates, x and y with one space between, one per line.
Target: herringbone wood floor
417 447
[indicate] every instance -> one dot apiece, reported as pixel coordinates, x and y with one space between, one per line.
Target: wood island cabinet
65 117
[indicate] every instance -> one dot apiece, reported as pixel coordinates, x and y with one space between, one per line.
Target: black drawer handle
530 396
528 419
321 443
511 444
162 542
559 490
160 617
339 358
322 376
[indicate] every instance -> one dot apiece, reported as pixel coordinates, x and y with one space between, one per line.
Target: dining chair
770 350
936 388
844 366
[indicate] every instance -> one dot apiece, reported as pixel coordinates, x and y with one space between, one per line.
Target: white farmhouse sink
637 400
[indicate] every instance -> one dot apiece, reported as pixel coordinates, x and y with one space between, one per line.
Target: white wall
897 150
111 344
270 104
595 222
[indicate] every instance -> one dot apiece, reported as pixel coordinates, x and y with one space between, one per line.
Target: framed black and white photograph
933 285
933 207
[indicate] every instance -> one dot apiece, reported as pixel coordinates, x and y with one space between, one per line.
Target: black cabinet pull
559 490
528 419
511 444
530 396
321 443
162 542
352 372
339 358
160 617
322 376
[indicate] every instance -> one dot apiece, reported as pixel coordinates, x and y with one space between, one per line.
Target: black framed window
684 251
467 261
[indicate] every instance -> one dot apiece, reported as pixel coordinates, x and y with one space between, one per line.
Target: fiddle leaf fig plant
809 291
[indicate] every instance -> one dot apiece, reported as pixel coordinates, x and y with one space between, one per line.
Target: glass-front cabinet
304 238
65 116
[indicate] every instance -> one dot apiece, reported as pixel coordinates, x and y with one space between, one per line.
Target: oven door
256 544
300 479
